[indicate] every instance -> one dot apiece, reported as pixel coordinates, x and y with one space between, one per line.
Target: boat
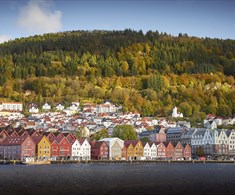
47 162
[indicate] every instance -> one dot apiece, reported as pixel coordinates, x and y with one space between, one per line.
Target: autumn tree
103 133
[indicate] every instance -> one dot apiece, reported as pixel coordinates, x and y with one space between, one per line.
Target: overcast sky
201 18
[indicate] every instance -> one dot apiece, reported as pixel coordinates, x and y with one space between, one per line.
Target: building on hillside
157 135
186 137
176 114
173 134
210 125
46 107
13 106
59 107
33 109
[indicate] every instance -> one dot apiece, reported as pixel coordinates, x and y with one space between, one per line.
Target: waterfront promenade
4 162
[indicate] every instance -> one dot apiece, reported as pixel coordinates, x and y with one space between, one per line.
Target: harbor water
118 179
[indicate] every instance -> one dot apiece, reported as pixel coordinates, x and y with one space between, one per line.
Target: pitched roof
133 142
81 140
13 140
228 132
98 144
37 139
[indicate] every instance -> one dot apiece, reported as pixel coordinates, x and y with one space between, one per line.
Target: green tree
103 133
200 151
124 132
186 109
145 139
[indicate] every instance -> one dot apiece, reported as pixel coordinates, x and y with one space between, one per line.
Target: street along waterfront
118 179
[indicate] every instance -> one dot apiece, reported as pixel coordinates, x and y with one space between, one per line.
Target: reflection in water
117 179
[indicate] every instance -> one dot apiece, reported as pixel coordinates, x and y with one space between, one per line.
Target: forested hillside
150 73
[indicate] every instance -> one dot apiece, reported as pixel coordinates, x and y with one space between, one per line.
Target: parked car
202 158
141 158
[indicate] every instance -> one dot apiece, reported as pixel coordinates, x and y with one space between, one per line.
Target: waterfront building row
115 148
215 142
31 145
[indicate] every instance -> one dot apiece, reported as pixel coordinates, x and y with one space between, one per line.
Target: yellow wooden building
128 151
138 149
43 147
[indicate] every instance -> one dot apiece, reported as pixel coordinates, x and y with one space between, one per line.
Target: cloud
37 17
4 38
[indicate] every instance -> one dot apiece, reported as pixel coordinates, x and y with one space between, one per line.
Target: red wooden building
60 148
179 151
161 150
17 148
3 135
170 150
99 150
187 153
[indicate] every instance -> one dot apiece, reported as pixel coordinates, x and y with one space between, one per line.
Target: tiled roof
133 142
37 139
13 140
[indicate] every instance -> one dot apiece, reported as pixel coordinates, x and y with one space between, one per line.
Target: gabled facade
64 148
59 107
99 150
203 138
147 150
46 107
186 137
221 142
3 135
161 150
231 140
179 151
138 147
43 147
170 150
153 151
33 109
211 125
85 151
128 151
116 150
115 147
187 152
76 147
54 148
60 148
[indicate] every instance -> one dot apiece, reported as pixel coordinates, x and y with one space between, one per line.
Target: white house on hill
176 114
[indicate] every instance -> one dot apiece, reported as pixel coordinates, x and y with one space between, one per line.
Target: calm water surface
118 179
